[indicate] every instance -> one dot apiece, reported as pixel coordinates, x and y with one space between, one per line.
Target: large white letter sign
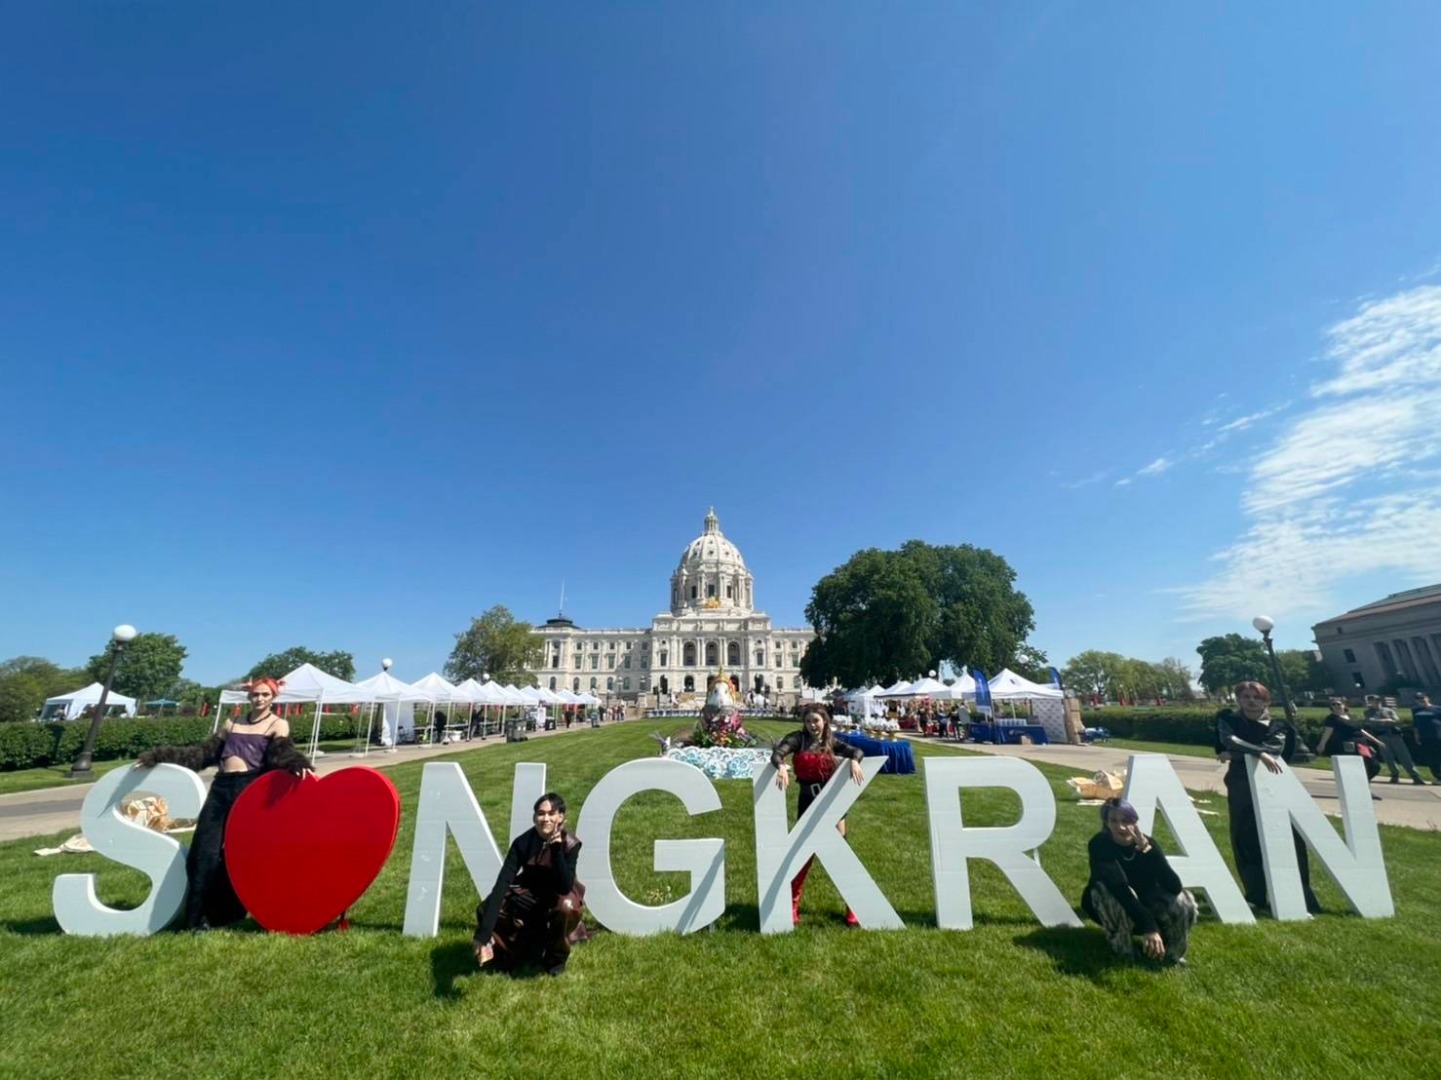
447 806
77 909
1355 864
529 786
1152 784
704 859
780 854
953 845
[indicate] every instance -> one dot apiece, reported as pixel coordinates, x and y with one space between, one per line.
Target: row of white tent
1006 686
308 684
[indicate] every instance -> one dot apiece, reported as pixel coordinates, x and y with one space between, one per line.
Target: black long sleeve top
545 870
804 742
1239 735
1136 879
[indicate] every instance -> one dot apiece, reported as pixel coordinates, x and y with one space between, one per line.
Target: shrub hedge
28 745
1193 727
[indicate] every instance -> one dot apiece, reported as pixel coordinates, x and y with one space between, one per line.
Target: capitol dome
712 575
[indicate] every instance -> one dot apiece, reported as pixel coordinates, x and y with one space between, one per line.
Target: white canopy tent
397 700
307 683
926 687
70 706
899 689
964 687
1009 686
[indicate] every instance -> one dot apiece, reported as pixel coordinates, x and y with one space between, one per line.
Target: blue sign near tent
983 692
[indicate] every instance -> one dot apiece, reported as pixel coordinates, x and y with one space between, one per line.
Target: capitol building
712 625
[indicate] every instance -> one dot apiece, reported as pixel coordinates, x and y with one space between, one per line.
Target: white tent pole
315 727
369 724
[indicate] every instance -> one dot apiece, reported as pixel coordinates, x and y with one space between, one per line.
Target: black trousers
1429 752
211 898
1246 847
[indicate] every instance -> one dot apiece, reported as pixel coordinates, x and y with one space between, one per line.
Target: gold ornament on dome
713 602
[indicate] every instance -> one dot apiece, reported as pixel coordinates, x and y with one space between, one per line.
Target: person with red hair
1248 731
241 750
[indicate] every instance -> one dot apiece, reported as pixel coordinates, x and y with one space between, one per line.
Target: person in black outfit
1133 890
532 914
1345 736
1249 731
241 751
1427 720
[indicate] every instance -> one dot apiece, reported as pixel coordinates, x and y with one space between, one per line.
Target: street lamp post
1265 626
122 635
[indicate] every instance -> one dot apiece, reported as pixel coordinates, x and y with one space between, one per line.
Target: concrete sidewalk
53 810
1399 804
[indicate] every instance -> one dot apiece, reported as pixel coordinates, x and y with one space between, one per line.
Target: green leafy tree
148 666
1231 658
885 615
496 644
339 663
1176 679
1031 663
1304 674
1096 672
26 681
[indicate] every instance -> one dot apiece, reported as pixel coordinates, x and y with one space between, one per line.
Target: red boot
797 884
851 919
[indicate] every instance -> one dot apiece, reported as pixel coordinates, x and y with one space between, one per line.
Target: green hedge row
1193 727
28 745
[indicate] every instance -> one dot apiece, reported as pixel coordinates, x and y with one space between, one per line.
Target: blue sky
337 325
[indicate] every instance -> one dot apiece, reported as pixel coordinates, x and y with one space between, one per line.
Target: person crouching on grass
1134 891
532 914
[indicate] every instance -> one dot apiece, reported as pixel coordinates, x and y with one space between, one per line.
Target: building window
1349 655
729 594
627 660
690 684
594 662
594 683
712 654
692 592
1357 681
555 659
710 592
609 683
663 659
625 683
796 683
733 654
687 654
575 685
595 645
552 682
610 663
611 645
760 658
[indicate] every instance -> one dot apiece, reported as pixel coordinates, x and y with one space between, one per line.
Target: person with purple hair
1133 890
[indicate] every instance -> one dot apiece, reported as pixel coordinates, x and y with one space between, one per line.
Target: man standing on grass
1427 720
1383 722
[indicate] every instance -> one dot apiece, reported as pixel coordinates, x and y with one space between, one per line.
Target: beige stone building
712 625
1395 641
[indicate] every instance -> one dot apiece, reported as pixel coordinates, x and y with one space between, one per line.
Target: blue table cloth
1008 733
900 759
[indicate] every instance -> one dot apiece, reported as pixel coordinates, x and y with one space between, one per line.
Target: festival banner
1056 679
983 692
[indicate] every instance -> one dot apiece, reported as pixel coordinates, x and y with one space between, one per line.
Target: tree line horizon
880 617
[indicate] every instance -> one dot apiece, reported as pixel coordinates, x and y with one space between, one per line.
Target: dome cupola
712 576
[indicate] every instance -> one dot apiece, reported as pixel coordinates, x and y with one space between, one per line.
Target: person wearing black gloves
1134 891
532 914
1248 731
241 750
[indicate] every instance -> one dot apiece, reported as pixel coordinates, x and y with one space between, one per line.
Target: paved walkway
1399 804
53 810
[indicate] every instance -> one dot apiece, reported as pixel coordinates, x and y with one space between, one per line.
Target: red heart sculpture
300 850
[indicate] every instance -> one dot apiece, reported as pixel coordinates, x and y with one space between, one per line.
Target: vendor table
1008 733
899 756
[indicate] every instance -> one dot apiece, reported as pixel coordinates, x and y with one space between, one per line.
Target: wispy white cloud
1123 482
1241 423
1086 481
1157 467
1348 486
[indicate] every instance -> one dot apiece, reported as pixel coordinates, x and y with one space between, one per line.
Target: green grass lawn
1321 761
1009 998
